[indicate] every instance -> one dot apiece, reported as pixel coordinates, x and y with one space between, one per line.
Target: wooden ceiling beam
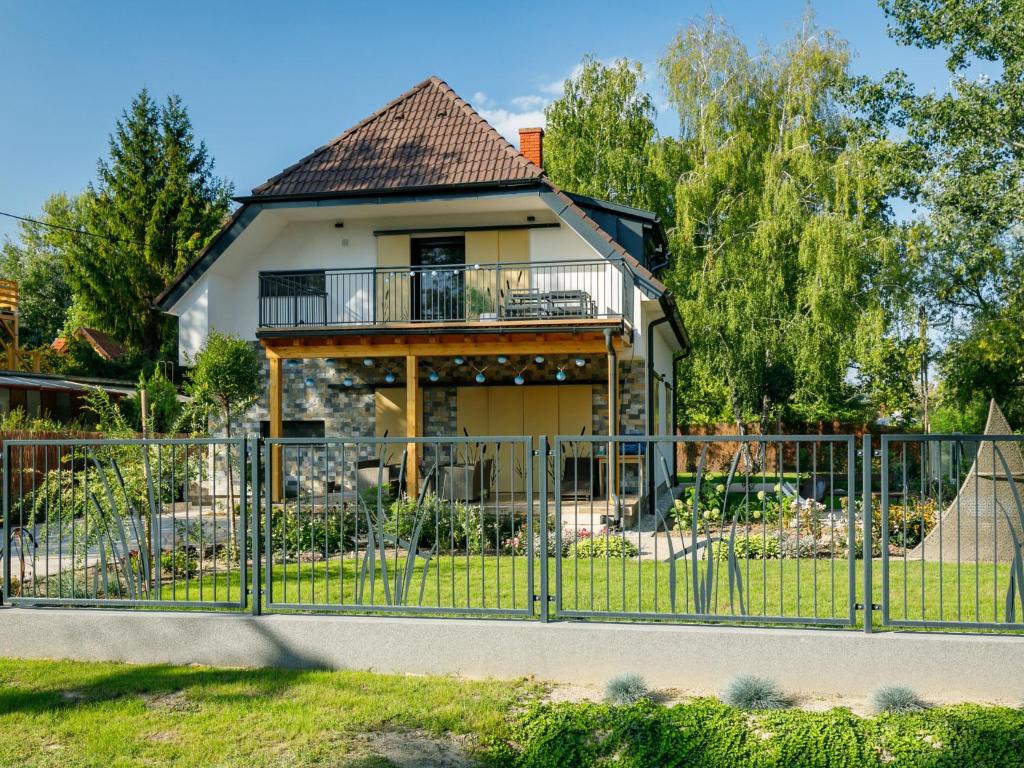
424 347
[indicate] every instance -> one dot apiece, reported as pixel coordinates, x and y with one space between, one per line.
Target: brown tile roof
104 345
427 137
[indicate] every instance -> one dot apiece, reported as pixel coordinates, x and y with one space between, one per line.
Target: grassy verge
71 714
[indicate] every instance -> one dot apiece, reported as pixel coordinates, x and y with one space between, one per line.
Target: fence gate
399 525
755 529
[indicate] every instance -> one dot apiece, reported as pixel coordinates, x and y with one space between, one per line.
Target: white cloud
525 103
508 122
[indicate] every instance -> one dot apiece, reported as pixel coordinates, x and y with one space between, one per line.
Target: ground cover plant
76 714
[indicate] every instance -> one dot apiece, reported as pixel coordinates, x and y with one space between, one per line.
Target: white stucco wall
226 296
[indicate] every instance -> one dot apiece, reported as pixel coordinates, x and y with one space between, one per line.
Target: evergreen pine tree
158 202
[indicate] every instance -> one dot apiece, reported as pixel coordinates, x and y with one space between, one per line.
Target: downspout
675 406
613 417
651 485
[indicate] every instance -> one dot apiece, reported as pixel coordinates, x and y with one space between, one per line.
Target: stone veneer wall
350 411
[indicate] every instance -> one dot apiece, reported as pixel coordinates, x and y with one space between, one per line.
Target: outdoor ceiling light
480 378
347 381
433 376
560 375
538 359
368 362
580 362
389 377
309 381
519 380
502 359
459 360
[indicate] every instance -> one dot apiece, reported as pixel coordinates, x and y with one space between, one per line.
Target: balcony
532 293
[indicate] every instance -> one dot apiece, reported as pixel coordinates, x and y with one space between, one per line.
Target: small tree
225 377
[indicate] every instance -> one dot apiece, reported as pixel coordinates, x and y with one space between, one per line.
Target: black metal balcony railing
540 291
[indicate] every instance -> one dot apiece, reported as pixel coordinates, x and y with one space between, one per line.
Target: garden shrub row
706 733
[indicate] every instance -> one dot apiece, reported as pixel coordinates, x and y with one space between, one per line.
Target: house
419 276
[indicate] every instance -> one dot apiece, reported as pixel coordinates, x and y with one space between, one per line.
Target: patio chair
466 482
368 475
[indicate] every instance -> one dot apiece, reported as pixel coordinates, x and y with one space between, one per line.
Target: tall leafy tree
781 227
38 262
225 381
157 202
600 136
966 160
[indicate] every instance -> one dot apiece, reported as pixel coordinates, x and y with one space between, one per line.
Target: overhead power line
84 232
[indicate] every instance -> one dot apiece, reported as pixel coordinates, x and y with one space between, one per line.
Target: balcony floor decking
575 324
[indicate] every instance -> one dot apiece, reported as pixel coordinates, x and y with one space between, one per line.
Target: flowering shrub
717 508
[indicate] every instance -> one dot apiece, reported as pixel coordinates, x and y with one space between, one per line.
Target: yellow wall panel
540 411
513 245
393 291
389 406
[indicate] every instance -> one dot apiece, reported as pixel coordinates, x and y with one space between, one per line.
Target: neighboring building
57 397
418 275
102 344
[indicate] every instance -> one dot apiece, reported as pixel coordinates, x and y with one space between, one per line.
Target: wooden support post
412 424
276 423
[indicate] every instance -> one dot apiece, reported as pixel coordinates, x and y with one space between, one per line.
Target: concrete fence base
693 658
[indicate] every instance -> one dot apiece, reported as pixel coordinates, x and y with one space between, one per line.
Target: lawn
70 714
804 588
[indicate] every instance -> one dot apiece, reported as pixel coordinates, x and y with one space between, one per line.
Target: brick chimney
531 145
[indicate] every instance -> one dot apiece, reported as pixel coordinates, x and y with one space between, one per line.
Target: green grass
788 588
72 714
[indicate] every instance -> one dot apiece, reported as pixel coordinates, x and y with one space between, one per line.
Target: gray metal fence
950 531
431 525
925 531
757 529
155 522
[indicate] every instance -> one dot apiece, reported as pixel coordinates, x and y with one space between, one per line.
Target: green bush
453 526
179 563
297 528
603 546
709 734
756 547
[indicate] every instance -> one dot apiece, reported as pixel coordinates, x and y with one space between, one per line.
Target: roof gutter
374 194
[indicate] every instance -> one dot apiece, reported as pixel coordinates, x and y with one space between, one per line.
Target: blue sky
266 82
